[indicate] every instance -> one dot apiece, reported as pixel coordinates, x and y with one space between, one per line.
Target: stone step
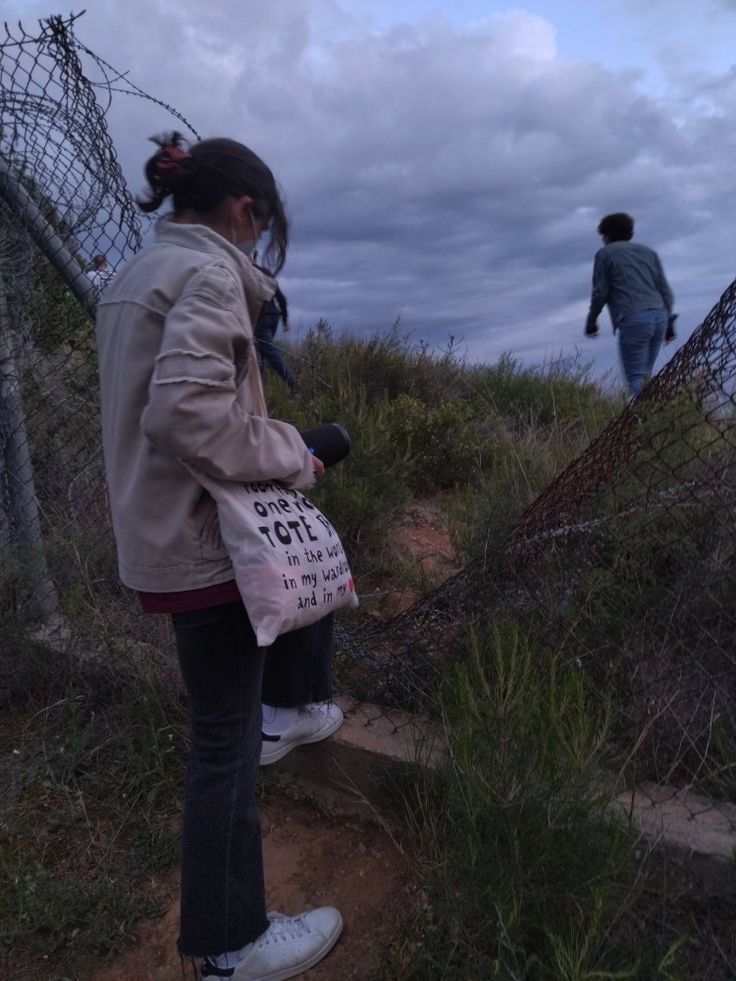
681 819
368 751
374 744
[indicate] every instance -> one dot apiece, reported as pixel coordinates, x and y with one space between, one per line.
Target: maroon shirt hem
190 599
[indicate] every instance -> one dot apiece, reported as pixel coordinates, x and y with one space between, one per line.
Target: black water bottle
329 443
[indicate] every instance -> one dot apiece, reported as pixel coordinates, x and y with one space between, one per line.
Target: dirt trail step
314 854
328 840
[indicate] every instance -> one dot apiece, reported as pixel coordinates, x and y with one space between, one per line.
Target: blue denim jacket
629 278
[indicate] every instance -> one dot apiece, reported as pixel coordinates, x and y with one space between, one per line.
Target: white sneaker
313 723
291 944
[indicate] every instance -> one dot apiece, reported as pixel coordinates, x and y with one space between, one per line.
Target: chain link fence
626 565
630 558
67 220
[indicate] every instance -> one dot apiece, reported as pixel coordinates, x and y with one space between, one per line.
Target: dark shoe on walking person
291 945
311 724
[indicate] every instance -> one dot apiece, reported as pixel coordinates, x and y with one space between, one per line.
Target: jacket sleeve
664 287
192 411
599 293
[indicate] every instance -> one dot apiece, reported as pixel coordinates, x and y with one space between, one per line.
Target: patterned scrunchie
169 159
171 154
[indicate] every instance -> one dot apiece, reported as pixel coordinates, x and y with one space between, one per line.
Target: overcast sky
446 163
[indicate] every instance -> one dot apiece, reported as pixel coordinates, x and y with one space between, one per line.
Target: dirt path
421 533
312 858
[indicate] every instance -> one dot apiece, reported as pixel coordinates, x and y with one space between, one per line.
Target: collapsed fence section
630 558
625 567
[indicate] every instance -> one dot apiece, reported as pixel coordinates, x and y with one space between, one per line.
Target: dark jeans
268 352
640 337
299 666
222 890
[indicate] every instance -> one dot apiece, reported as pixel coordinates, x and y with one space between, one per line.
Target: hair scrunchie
168 160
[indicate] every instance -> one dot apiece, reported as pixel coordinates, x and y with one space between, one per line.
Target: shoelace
314 709
283 928
280 928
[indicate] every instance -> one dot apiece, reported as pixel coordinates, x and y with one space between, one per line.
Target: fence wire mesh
67 221
630 557
626 564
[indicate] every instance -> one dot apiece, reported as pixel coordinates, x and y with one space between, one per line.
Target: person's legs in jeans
298 667
640 337
222 891
268 352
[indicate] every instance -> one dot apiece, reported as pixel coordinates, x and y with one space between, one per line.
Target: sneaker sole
280 752
292 972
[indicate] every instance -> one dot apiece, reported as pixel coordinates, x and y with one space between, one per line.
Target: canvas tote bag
290 565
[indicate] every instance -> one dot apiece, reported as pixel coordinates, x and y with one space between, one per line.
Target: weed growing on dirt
528 877
93 753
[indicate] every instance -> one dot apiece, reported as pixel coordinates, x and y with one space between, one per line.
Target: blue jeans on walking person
268 352
640 337
226 675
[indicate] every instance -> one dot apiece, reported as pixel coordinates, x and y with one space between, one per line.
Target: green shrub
438 440
424 424
526 872
557 393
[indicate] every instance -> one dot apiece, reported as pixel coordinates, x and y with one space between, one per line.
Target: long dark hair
201 177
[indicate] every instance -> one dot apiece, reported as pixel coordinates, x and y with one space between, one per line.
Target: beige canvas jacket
180 387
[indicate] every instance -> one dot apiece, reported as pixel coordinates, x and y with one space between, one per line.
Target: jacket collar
256 284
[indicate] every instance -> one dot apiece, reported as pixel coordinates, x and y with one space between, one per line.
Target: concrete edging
374 744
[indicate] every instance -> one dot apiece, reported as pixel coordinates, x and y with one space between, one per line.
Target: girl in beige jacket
181 393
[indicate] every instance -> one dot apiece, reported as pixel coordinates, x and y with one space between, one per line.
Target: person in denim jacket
274 310
628 277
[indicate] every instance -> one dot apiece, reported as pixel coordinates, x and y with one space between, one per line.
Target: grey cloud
437 174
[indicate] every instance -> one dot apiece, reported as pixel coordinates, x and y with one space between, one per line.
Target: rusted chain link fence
67 220
629 558
626 565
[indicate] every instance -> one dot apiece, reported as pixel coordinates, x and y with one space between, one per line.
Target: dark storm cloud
452 178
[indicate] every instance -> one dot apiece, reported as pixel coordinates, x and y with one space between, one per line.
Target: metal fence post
46 238
24 517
